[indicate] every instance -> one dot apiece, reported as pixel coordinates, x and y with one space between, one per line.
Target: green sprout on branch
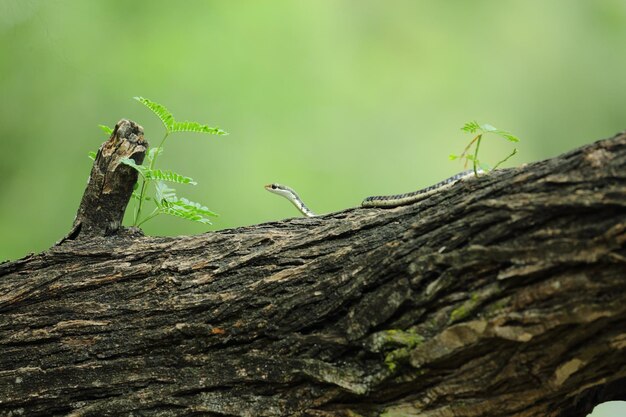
479 131
165 199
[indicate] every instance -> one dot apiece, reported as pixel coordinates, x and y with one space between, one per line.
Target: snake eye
273 186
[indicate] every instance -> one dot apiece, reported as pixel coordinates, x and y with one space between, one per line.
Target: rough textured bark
110 184
503 296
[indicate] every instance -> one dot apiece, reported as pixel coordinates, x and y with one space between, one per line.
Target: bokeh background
338 99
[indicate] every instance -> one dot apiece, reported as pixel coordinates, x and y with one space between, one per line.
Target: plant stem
505 159
475 161
156 154
151 215
142 193
467 149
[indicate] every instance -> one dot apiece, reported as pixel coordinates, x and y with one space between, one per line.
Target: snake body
384 201
415 196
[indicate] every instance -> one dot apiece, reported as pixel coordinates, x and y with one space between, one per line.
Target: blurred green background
339 99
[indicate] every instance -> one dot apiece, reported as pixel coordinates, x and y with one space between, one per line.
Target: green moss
464 309
406 340
395 356
459 313
402 338
497 306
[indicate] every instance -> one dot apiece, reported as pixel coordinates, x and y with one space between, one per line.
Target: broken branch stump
111 183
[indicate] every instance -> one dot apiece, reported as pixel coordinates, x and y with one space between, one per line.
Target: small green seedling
165 199
480 130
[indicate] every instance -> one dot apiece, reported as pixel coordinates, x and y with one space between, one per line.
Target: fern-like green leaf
196 127
159 110
508 136
492 129
165 197
173 211
157 174
471 127
92 155
139 168
164 194
106 129
169 203
197 208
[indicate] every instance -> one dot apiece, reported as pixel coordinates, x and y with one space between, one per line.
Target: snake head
283 190
290 195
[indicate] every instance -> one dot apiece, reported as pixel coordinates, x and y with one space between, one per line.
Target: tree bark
110 184
502 296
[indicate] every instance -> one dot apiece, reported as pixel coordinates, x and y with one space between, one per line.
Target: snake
381 201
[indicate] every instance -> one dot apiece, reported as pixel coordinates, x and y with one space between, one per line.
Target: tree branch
110 184
503 295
